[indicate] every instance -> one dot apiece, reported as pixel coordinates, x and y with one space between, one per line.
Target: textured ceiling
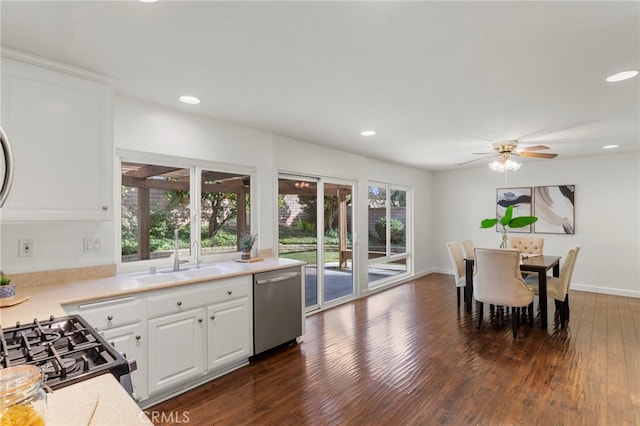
437 81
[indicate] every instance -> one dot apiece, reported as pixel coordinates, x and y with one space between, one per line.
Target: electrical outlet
25 247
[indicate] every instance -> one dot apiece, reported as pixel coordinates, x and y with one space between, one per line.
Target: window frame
195 167
407 255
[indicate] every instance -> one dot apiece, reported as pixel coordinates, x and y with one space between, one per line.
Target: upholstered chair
527 245
558 288
498 281
457 261
467 246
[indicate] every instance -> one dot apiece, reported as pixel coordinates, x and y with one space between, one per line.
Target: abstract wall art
554 206
520 198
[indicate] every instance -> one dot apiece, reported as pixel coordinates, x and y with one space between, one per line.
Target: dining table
539 264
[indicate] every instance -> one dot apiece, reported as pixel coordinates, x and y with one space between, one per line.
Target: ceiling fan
505 149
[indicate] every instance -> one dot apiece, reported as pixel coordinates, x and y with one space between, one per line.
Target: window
224 211
158 203
388 233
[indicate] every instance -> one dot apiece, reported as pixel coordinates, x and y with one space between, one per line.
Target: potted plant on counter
6 288
246 244
508 221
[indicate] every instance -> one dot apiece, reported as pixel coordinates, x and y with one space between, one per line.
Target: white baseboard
606 290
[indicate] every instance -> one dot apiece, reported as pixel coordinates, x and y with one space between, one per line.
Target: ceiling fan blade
535 154
483 153
475 159
533 148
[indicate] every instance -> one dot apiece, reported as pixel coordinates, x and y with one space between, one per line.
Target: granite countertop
46 300
99 401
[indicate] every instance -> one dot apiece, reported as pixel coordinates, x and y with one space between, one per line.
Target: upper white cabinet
59 123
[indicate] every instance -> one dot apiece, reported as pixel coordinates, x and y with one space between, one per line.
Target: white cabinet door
229 333
176 348
132 341
60 128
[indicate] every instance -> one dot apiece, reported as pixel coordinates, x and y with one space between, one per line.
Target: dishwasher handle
278 278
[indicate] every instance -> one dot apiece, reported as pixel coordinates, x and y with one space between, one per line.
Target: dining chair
527 245
458 266
498 281
467 246
558 288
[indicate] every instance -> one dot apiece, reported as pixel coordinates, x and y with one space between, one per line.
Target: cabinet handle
110 317
199 319
138 337
212 317
179 303
105 208
229 292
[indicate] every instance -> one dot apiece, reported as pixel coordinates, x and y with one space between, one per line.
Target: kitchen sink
207 271
159 278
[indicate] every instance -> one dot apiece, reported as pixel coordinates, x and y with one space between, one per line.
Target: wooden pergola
145 177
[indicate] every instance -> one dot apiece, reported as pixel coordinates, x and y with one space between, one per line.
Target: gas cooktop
67 349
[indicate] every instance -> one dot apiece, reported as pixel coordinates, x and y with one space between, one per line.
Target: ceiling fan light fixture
621 76
502 165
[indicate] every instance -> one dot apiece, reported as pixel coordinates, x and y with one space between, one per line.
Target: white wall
142 127
146 127
446 205
607 210
56 245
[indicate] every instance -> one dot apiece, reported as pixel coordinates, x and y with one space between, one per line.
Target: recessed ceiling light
610 146
148 1
621 76
191 100
368 133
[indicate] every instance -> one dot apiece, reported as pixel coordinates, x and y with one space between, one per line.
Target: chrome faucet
176 260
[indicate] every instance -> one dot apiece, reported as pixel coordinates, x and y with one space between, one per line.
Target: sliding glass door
337 247
315 225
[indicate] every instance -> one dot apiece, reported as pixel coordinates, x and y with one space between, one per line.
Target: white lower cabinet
228 333
179 336
176 348
132 341
123 323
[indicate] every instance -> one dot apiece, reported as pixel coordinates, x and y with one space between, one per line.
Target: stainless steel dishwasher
277 308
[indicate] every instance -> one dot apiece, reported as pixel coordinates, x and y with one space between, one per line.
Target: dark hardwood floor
408 356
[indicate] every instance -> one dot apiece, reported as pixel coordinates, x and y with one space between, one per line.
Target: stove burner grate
67 349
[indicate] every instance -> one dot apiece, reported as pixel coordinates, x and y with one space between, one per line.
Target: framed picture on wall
520 199
554 206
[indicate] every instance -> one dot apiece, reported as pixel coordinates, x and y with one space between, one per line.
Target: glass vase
504 238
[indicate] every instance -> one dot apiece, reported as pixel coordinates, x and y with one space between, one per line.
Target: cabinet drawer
112 313
198 295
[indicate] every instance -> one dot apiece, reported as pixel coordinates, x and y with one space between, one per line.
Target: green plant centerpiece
508 221
246 244
6 288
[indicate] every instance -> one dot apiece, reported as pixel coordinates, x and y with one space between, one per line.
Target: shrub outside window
157 201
